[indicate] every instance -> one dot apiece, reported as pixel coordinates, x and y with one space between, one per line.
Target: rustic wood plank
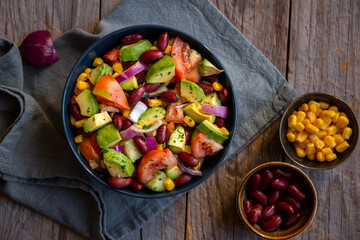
324 56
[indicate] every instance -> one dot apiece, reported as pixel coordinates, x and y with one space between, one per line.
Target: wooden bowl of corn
318 131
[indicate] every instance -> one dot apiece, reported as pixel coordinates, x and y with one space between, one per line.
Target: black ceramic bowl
333 101
151 32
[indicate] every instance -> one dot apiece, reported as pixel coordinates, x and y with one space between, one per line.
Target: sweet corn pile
318 130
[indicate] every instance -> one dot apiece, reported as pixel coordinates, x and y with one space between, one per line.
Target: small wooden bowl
333 101
309 204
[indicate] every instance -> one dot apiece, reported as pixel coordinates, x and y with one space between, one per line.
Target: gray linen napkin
37 167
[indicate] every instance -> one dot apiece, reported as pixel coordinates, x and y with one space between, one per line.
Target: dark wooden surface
314 44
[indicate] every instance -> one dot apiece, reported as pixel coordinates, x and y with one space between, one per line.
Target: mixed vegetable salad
148 114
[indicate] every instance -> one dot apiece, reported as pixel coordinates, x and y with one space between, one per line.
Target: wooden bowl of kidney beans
276 200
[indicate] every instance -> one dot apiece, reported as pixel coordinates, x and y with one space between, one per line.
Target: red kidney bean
268 212
118 182
255 214
220 122
146 101
207 88
248 203
292 220
253 183
259 197
274 197
131 38
161 133
267 178
151 56
296 204
163 41
118 121
223 96
285 208
126 123
188 159
141 144
212 78
136 185
136 96
169 96
183 179
112 57
281 174
74 108
151 87
140 77
280 184
272 224
295 192
187 135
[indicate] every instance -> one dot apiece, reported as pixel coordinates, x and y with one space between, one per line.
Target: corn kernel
80 86
318 112
301 137
331 130
300 152
324 105
335 118
80 123
300 116
310 149
189 121
322 134
320 157
187 149
159 147
101 106
342 122
304 144
72 120
311 129
224 131
343 114
294 113
88 71
326 151
311 157
126 113
78 138
313 107
318 123
342 147
334 108
313 138
338 139
304 107
115 74
98 62
327 122
169 184
118 67
329 141
299 126
217 86
154 48
319 144
82 77
306 121
347 133
330 157
155 103
167 50
311 116
292 121
328 114
314 102
291 130
290 137
198 166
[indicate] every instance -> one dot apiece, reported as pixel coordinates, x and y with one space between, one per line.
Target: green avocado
129 84
212 99
117 163
157 183
87 103
193 111
162 71
108 136
150 116
99 72
211 131
177 140
96 121
191 92
131 151
206 68
174 172
133 52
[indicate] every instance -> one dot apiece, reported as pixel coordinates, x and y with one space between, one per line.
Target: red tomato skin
202 146
112 56
88 151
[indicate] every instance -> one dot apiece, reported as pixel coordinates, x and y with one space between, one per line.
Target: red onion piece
220 111
110 109
127 134
156 125
138 67
38 49
151 142
119 148
188 170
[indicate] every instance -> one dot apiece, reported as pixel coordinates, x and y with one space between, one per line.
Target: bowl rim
283 119
239 203
86 167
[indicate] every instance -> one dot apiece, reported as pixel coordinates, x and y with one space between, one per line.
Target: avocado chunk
150 116
174 172
133 51
131 151
206 68
87 103
212 99
177 140
96 121
108 136
157 183
117 163
129 84
99 72
212 131
193 111
162 71
191 92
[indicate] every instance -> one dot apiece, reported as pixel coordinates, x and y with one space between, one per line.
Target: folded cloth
37 167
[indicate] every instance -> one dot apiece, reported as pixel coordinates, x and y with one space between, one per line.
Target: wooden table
314 44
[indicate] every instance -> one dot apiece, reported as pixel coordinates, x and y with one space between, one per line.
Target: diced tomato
193 75
153 161
176 55
88 151
202 146
112 56
109 92
95 144
174 114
